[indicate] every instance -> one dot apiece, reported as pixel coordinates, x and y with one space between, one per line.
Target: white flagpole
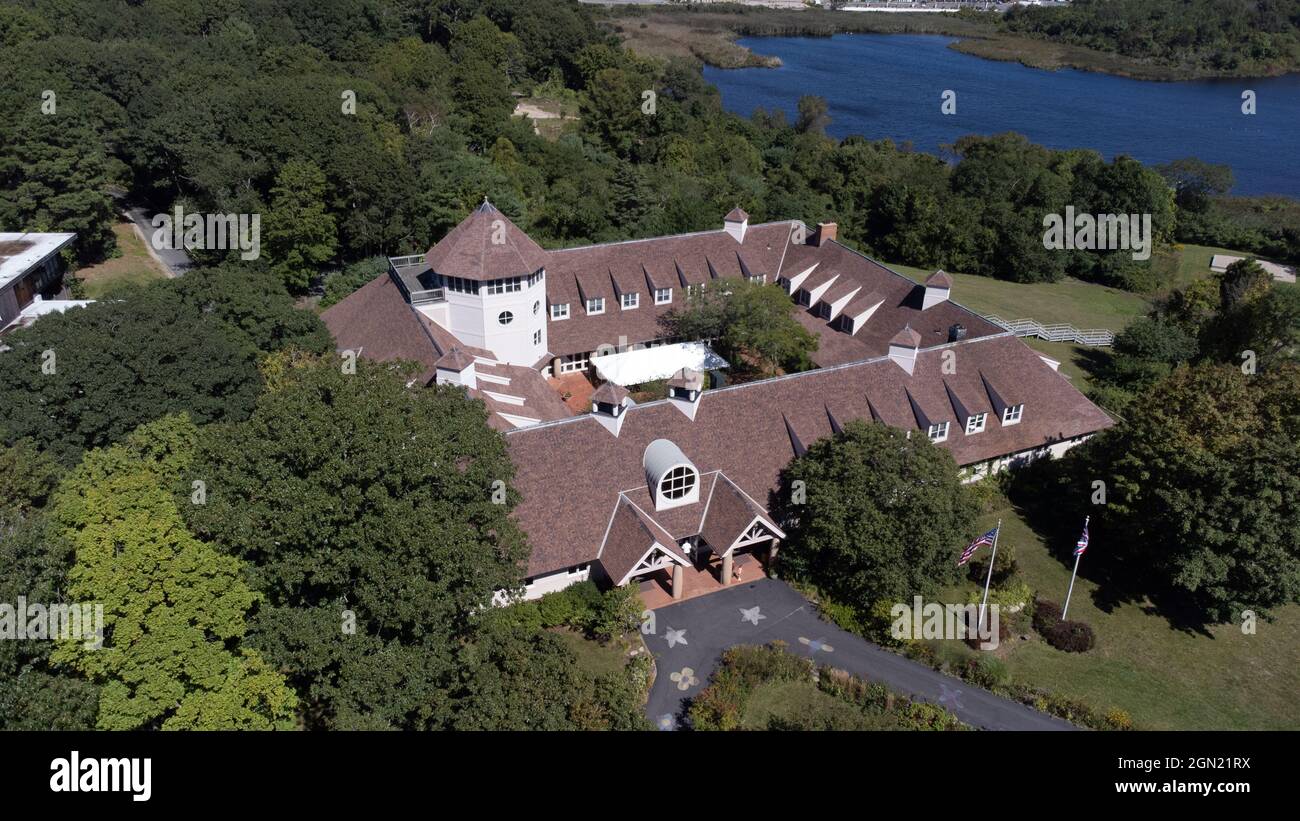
996 532
1077 556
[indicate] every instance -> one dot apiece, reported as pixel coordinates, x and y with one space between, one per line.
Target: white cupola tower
492 282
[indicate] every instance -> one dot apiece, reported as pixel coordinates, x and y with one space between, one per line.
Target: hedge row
581 607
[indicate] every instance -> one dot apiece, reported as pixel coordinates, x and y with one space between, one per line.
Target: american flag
1082 544
987 538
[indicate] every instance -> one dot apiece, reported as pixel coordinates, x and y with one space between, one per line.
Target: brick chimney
826 231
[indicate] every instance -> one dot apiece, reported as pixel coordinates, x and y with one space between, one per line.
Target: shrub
618 611
1046 614
1119 719
987 671
556 609
845 617
522 614
721 705
1071 636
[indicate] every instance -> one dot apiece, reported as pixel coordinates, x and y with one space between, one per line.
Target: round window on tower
537 306
505 317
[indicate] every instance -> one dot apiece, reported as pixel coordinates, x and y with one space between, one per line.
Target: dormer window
975 423
631 301
758 279
672 479
560 311
1011 414
596 305
679 482
938 432
663 296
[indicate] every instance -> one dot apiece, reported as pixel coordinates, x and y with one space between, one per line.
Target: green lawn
1075 302
594 657
1166 678
1072 301
133 266
1072 358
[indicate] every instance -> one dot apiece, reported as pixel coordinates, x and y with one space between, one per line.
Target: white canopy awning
650 364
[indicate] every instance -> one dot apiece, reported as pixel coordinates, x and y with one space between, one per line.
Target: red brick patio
657 590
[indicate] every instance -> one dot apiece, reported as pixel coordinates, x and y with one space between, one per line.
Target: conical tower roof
486 245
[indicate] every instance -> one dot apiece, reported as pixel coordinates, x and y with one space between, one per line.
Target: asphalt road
699 629
176 261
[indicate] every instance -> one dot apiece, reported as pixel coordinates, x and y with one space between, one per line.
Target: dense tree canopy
878 516
1218 35
405 110
85 378
373 519
1198 487
172 606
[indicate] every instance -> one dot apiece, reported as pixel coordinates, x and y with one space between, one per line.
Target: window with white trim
1011 414
677 483
938 432
560 311
596 305
975 422
573 363
758 279
630 301
505 317
663 296
504 286
537 337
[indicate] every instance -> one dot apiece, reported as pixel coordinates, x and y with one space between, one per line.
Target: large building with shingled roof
625 492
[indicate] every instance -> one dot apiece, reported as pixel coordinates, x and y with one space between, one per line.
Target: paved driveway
174 260
693 634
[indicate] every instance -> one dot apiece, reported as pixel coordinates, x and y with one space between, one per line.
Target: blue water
890 85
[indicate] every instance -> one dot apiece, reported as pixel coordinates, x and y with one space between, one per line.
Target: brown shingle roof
377 320
486 245
455 360
610 393
736 214
631 534
907 337
730 512
900 299
939 279
571 472
667 261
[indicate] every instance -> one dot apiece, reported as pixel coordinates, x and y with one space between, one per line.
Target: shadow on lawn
1048 499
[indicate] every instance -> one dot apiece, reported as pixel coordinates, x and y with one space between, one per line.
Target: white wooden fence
1055 333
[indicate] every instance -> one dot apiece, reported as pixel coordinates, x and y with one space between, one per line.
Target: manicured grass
1072 301
594 657
1082 304
1188 263
134 266
1164 676
1072 358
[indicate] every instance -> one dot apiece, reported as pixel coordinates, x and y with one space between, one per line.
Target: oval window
537 306
505 317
